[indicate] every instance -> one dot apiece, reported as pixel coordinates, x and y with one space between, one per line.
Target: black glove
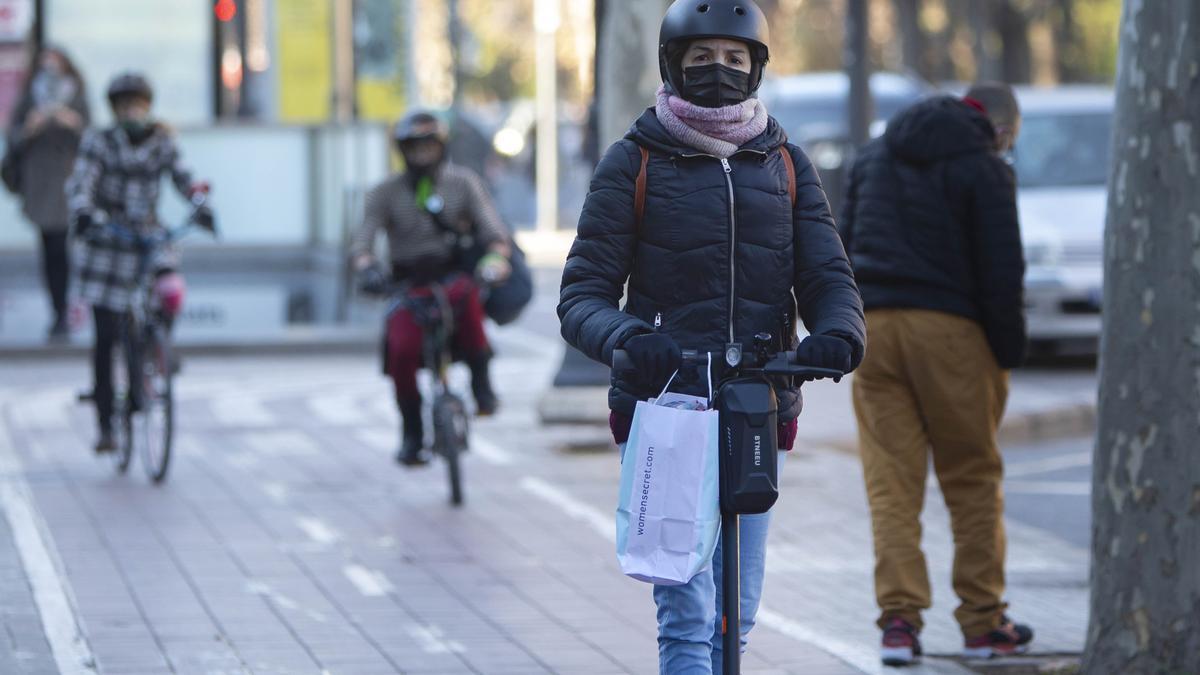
656 357
824 351
203 217
372 280
83 223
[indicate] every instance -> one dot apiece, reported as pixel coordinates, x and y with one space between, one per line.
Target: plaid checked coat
115 181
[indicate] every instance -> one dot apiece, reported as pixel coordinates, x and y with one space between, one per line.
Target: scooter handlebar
623 364
784 365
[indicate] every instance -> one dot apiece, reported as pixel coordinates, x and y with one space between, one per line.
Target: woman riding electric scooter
723 233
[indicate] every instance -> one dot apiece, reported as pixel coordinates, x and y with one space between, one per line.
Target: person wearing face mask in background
730 237
930 222
44 133
116 181
428 212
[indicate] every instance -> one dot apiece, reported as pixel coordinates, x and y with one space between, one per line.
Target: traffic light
225 10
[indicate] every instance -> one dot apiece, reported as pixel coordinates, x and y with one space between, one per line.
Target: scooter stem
731 596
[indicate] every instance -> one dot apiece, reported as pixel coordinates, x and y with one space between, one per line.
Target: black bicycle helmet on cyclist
130 84
689 20
420 125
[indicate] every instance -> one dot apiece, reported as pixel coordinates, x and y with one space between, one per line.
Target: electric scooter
749 472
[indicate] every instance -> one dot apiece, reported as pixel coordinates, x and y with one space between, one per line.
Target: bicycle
748 479
432 311
147 420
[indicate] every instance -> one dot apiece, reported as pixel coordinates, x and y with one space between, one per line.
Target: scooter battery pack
749 445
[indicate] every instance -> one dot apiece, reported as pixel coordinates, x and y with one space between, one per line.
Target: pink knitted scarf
716 131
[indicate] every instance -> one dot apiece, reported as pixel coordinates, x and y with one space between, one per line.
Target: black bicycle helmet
688 20
420 124
130 84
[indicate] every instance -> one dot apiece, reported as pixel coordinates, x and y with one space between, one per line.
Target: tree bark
1013 27
912 39
628 64
1145 590
1066 40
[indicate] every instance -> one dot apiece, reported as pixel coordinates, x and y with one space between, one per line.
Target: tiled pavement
287 542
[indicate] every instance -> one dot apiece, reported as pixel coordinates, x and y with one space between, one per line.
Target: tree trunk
1066 41
983 39
912 39
628 64
1145 591
1013 26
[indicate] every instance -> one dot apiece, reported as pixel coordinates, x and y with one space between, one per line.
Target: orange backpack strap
639 191
791 172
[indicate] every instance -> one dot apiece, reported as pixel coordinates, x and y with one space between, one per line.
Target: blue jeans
689 631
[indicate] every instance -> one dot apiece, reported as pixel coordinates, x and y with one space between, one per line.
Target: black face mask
715 85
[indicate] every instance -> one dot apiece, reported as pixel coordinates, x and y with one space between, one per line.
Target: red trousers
404 335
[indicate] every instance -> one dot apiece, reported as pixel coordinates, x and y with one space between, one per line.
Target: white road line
317 530
528 338
241 411
603 524
342 409
433 640
280 443
284 602
1034 467
1048 487
42 409
861 657
384 440
489 451
278 492
51 592
371 583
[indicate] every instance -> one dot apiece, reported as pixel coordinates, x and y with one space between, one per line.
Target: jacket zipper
658 321
725 166
732 246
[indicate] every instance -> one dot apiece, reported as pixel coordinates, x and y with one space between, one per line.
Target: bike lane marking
43 568
371 583
318 530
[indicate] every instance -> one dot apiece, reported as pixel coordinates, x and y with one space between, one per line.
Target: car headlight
827 155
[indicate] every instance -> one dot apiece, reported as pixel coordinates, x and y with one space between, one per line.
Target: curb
1040 664
299 343
589 406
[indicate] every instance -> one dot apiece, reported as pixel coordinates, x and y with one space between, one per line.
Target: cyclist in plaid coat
116 179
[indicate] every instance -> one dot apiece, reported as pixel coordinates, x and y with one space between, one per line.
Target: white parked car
1062 165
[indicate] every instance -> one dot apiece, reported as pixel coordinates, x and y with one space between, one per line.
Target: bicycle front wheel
450 439
158 416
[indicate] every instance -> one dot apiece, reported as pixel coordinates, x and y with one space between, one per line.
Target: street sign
16 18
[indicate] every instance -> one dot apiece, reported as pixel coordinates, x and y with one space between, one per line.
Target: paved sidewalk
286 540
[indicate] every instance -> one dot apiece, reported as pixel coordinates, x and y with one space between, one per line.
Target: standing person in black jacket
931 226
721 251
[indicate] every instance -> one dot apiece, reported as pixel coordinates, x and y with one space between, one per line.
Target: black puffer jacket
930 222
682 276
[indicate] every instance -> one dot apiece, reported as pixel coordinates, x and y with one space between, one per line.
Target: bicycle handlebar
783 364
198 201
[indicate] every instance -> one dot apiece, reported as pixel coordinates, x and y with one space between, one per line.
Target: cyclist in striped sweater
440 222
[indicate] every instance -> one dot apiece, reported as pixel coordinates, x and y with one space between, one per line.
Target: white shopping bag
668 512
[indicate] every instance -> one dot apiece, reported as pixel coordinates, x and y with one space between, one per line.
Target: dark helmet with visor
688 20
129 85
420 125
